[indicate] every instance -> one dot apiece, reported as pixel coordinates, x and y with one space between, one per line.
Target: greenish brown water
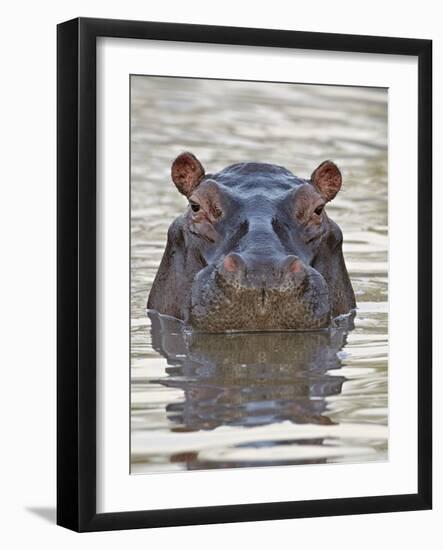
254 400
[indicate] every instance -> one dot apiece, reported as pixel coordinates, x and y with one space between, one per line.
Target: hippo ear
327 179
186 173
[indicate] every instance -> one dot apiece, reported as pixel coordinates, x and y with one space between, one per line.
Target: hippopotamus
255 250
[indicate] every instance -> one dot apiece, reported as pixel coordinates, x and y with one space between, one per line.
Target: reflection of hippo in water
248 379
255 250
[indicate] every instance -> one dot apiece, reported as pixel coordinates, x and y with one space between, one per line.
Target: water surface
215 401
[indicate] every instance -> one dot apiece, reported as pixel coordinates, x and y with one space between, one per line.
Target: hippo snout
245 293
241 271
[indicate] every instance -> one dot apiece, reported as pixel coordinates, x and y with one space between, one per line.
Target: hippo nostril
234 263
291 264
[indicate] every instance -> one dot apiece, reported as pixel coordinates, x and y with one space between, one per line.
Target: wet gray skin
255 250
250 379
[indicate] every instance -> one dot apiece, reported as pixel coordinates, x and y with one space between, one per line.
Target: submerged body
255 250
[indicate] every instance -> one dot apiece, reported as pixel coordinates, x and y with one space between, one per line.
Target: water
244 400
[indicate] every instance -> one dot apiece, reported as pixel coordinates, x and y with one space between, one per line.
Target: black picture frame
76 280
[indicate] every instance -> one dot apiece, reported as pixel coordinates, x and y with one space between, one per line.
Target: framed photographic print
244 274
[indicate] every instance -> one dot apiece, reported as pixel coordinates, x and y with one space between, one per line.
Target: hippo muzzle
281 295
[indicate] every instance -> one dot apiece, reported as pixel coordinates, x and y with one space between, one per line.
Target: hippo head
254 251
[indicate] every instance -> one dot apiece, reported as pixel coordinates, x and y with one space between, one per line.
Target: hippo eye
319 209
194 206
